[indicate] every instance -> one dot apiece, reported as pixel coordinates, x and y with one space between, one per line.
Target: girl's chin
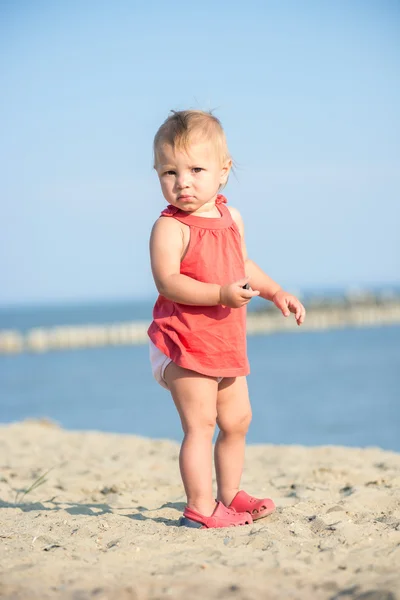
187 205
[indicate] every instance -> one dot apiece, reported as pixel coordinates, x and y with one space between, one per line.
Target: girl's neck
209 210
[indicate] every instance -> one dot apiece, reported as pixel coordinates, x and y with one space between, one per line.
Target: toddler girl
198 335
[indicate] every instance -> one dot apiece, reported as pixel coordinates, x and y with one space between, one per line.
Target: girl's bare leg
233 419
195 398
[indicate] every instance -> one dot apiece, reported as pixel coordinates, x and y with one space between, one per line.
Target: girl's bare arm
166 250
258 279
269 289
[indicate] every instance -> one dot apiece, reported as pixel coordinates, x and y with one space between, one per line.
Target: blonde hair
185 126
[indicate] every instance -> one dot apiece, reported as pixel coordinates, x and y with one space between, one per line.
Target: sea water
314 388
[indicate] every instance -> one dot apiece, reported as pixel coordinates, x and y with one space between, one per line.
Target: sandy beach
103 523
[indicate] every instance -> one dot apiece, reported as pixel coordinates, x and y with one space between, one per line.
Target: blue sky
308 93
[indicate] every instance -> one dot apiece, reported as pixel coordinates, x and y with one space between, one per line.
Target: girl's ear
225 171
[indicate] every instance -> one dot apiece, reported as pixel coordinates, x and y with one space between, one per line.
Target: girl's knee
235 425
203 427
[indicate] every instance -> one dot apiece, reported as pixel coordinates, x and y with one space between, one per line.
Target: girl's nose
182 181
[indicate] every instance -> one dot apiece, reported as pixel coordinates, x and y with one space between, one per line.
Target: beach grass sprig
20 495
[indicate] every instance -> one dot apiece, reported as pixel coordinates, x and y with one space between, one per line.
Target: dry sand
104 523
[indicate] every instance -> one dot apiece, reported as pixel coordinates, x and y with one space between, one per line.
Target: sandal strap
244 502
221 517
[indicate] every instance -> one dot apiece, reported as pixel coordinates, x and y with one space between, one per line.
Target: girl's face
191 180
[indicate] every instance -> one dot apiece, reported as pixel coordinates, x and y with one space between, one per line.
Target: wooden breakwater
135 332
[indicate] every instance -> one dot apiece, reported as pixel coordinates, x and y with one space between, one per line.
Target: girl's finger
284 308
249 293
302 316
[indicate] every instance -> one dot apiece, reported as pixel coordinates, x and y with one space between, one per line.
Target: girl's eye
197 169
169 173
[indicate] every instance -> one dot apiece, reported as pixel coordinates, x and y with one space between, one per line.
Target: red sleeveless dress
207 339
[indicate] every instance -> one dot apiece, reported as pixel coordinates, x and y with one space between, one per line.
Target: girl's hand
289 304
234 295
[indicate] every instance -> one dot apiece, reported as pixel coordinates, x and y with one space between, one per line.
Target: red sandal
221 517
242 502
